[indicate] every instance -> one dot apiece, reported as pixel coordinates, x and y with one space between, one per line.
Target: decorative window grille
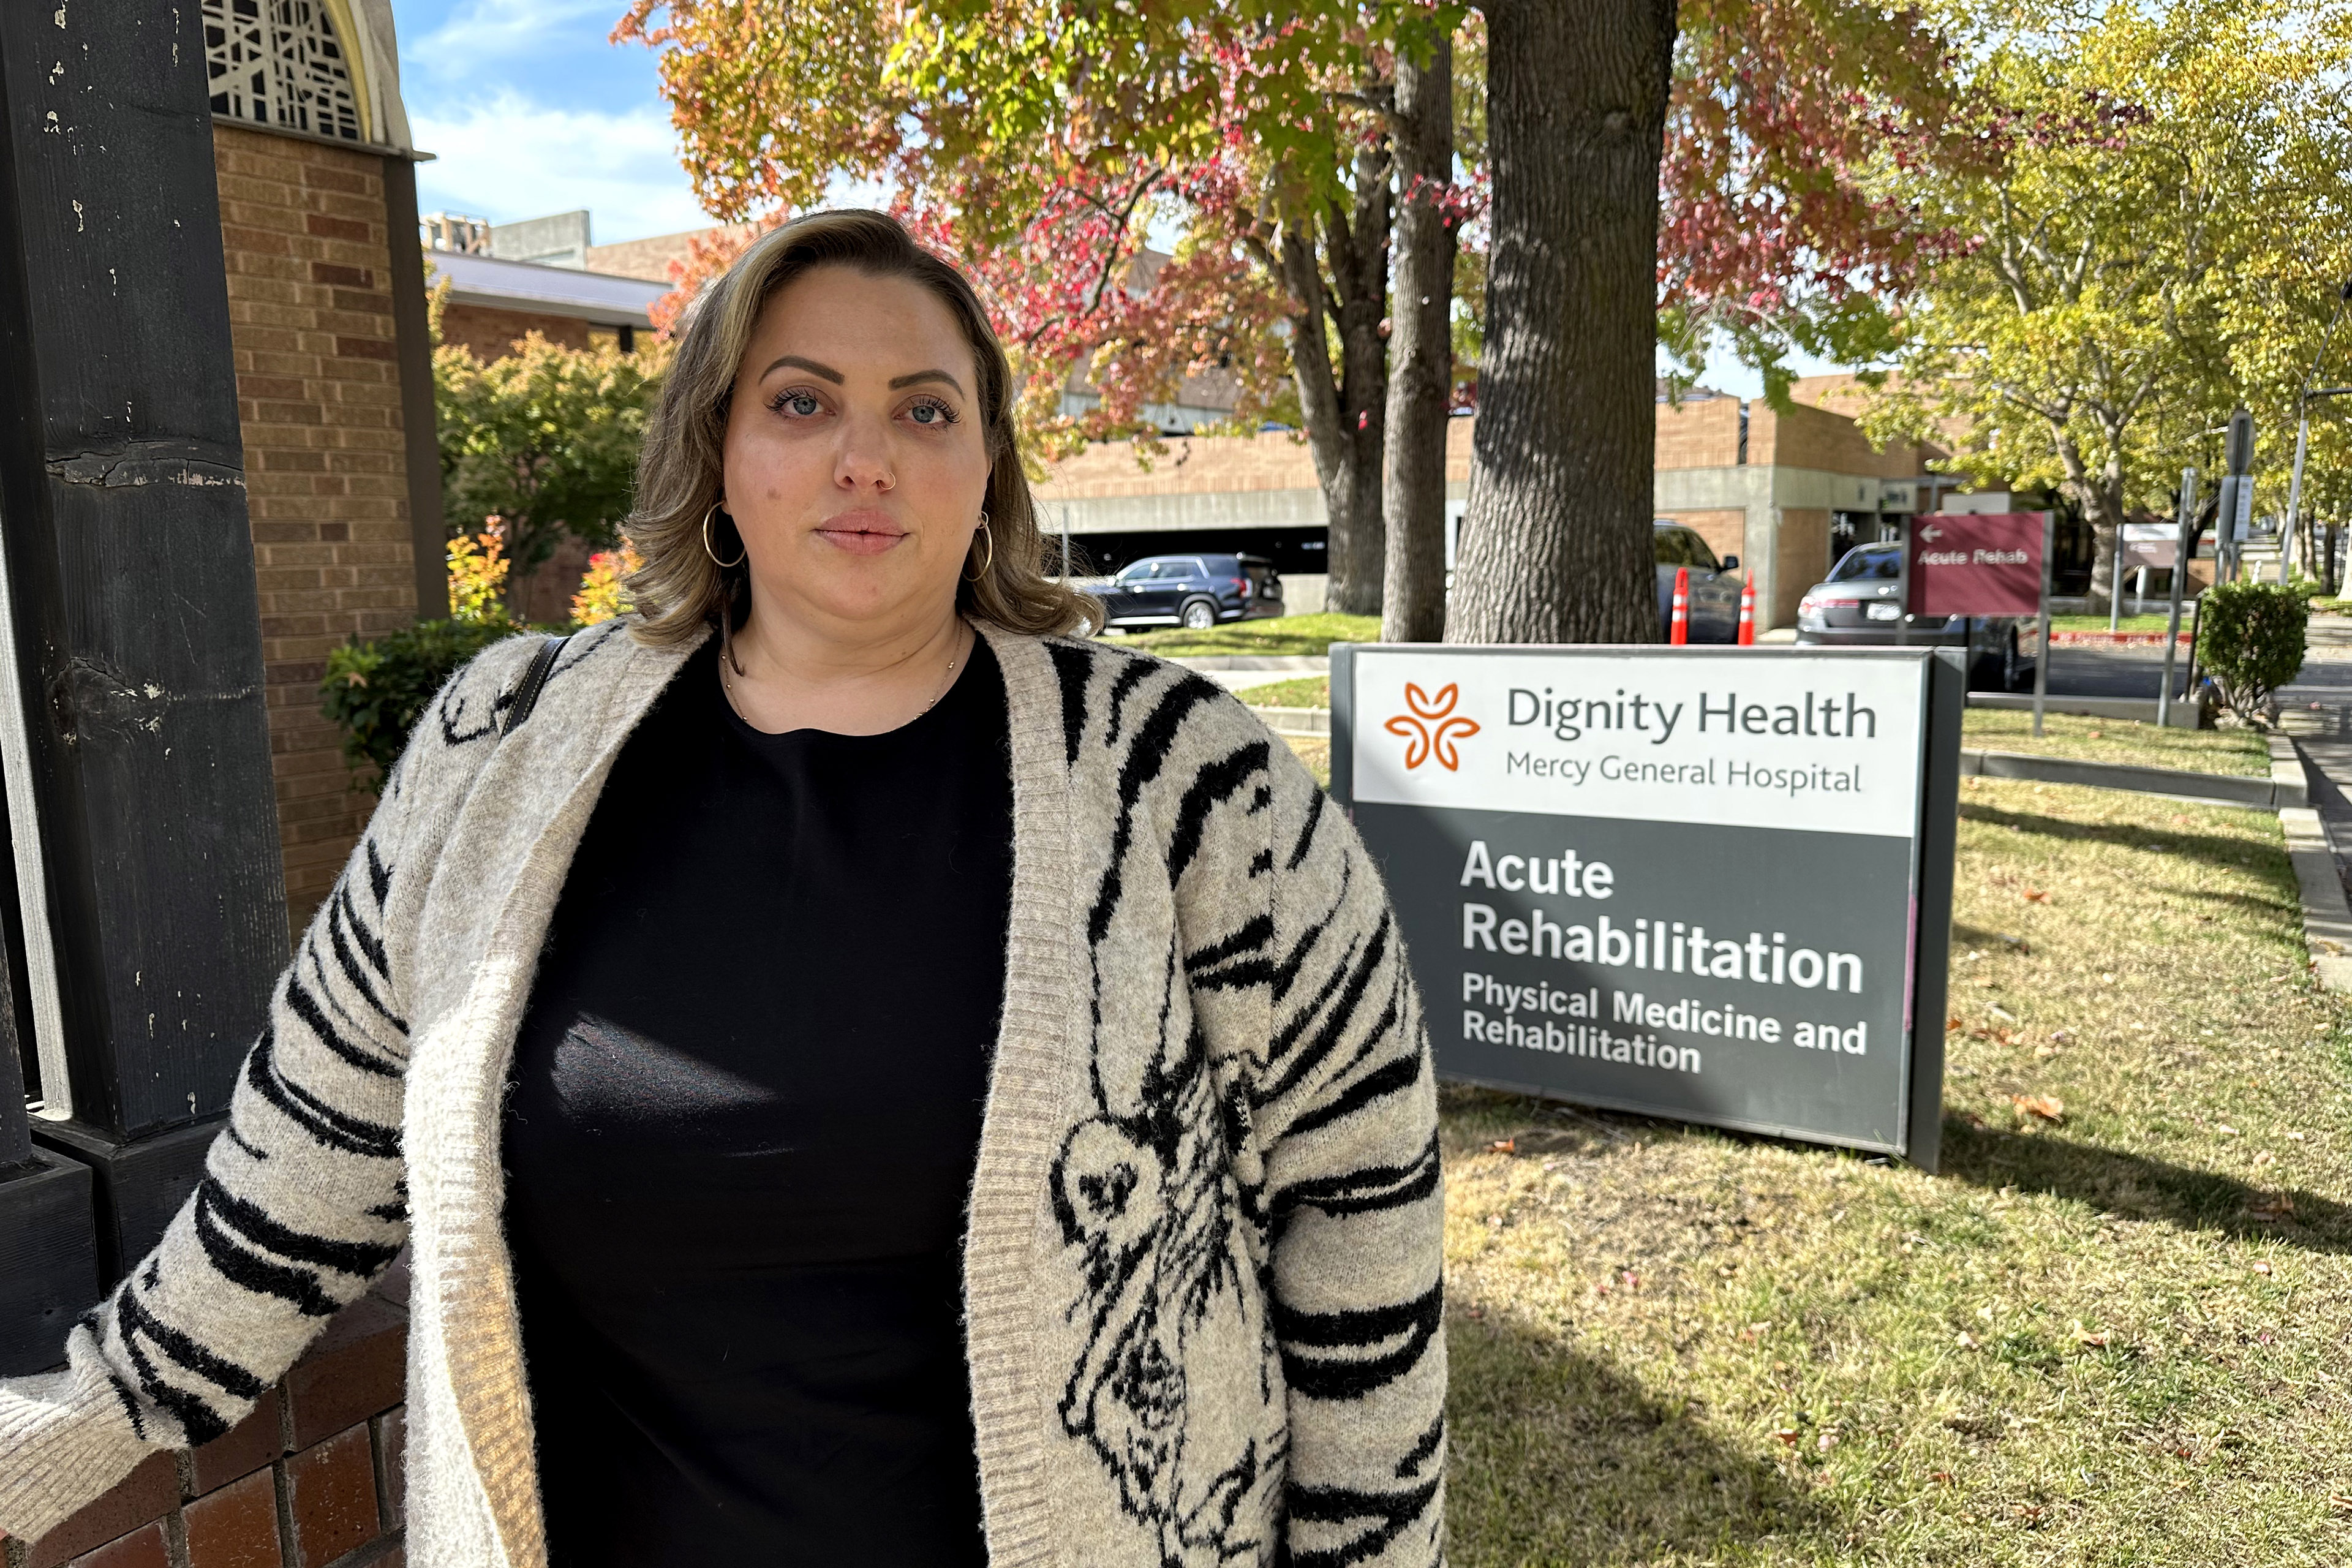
277 62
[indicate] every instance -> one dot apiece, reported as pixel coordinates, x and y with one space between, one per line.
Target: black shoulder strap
534 680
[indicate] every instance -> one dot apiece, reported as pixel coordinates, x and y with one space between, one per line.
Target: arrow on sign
1931 534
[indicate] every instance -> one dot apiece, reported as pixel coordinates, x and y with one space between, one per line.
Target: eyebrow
810 365
834 376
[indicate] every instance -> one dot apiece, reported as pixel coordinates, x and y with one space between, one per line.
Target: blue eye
931 415
801 404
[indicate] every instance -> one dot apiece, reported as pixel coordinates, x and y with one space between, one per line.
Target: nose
863 462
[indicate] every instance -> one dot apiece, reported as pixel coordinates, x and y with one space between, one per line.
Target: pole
2179 579
1066 542
1903 583
2294 494
2041 648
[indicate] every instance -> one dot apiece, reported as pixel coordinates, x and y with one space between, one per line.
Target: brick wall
1803 550
312 1478
1810 438
1700 434
488 332
303 231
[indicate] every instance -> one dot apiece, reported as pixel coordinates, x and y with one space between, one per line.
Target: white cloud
510 158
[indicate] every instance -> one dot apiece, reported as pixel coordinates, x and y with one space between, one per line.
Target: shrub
2249 639
377 692
477 574
604 591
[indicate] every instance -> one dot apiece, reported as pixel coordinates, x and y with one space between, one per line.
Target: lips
861 532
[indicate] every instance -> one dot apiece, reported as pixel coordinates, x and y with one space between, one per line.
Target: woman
887 1081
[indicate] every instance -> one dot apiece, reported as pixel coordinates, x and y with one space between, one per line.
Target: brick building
1784 492
317 204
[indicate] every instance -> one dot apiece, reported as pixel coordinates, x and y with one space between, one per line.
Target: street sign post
2183 551
1710 884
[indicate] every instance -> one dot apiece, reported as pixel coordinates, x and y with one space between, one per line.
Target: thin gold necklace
726 683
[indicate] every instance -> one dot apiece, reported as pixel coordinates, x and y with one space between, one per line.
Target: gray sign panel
1708 884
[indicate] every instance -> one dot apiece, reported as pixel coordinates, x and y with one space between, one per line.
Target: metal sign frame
1943 691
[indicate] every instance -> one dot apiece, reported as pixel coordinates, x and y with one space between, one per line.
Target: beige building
1784 492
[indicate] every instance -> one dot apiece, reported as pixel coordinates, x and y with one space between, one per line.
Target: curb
2185 714
2327 917
1295 721
2218 789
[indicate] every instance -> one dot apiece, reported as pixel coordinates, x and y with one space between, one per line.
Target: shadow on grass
2133 1186
2210 847
1557 1457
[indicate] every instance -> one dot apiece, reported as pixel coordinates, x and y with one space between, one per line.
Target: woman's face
857 464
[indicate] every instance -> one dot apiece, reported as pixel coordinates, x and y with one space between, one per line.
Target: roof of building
602 298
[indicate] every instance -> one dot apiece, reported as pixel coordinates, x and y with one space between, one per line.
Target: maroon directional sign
1984 566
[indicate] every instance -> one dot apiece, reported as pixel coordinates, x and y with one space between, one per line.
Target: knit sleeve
1345 1110
301 1204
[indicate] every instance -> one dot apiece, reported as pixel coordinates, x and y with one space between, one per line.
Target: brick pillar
309 249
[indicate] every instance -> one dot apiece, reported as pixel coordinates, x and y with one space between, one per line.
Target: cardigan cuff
65 1440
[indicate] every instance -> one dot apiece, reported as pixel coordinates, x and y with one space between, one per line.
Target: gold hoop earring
990 559
722 565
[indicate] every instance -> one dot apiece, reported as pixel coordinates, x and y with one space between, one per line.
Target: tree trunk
1557 545
1356 249
1334 431
1421 346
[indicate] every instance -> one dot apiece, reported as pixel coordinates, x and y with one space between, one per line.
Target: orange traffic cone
1678 628
1747 613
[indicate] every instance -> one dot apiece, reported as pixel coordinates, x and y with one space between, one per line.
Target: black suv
1191 591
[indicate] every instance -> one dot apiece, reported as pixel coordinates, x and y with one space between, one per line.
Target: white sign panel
1748 738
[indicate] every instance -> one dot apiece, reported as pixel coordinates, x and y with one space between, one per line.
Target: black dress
744 1115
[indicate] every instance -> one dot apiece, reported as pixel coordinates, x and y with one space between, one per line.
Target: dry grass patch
2112 1331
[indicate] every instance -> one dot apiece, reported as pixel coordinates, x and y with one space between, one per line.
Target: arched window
278 63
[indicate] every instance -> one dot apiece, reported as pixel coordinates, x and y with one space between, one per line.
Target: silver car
1855 606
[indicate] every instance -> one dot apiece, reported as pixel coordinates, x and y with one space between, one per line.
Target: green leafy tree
2136 179
545 439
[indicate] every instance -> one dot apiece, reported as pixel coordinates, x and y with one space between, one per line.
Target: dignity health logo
1432 726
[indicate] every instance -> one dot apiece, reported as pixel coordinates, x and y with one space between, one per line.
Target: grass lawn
1278 635
2242 752
2154 623
2113 1334
1306 691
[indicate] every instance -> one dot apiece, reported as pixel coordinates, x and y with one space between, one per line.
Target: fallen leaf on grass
1965 1340
1953 1023
2036 895
2263 1269
2003 1013
1787 1435
1504 1146
2340 1502
2061 1036
2048 1107
1940 1477
2083 1336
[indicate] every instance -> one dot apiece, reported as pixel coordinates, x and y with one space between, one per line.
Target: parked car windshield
1859 564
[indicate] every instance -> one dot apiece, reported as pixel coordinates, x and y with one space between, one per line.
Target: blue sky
531 112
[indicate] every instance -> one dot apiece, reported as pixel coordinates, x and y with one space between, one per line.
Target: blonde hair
680 589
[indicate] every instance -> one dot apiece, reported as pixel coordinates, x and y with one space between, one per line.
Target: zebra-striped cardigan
1202 1262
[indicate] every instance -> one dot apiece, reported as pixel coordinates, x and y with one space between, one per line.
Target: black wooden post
140 746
